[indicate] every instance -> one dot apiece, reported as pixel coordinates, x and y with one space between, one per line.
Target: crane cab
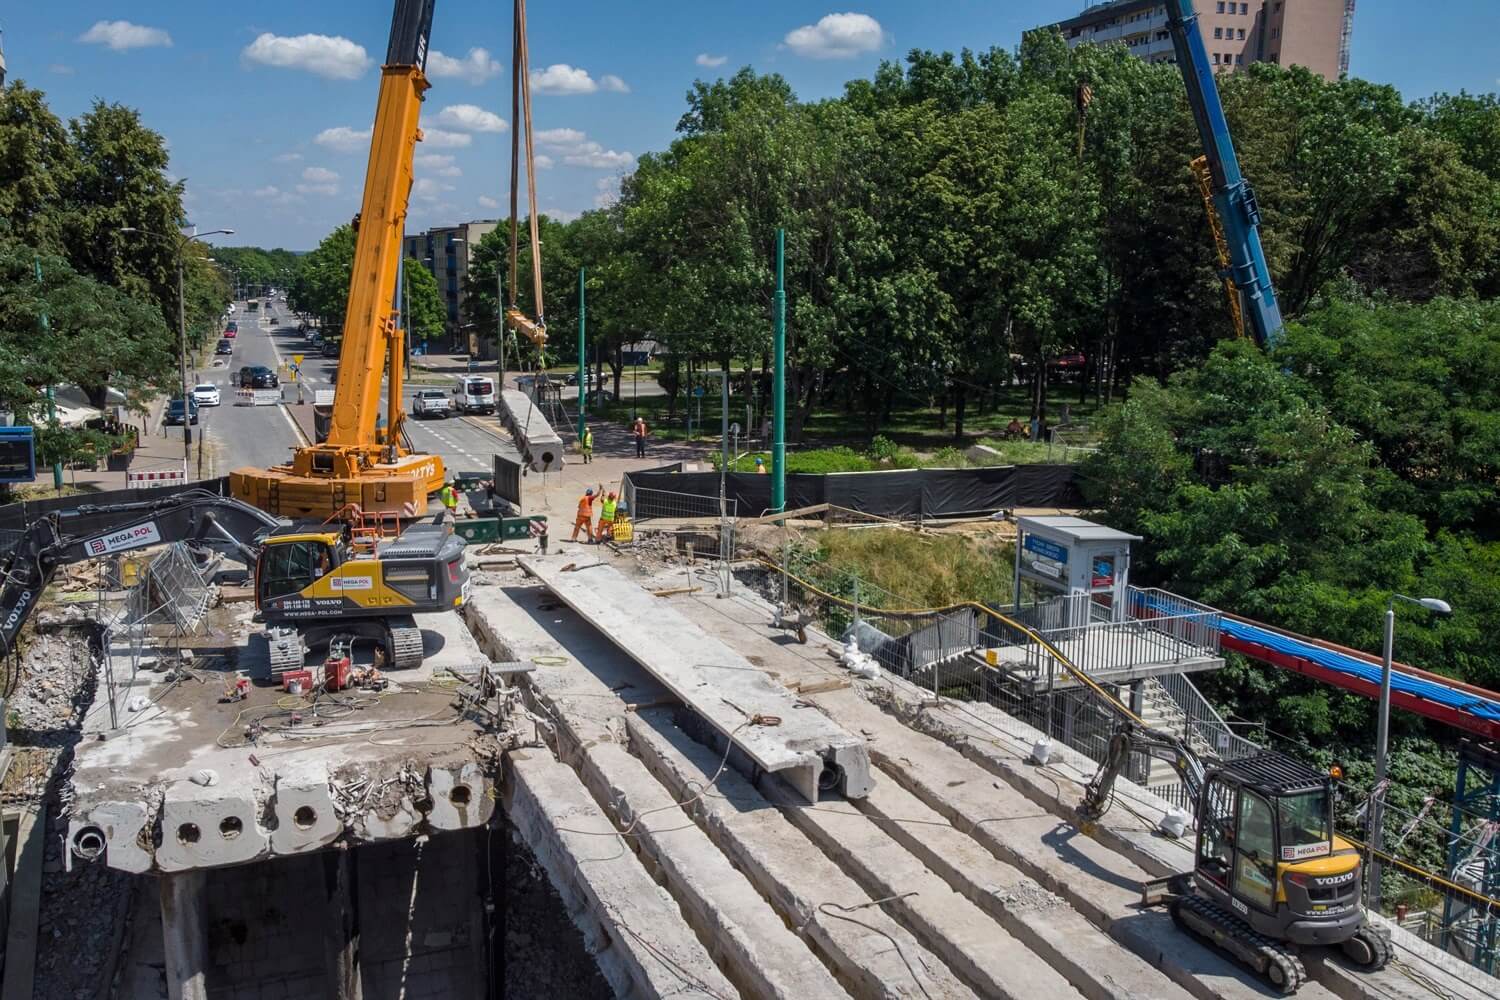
1266 850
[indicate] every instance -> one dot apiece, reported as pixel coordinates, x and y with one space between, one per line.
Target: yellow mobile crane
360 463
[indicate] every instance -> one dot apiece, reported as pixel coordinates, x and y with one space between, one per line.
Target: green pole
57 470
583 361
778 381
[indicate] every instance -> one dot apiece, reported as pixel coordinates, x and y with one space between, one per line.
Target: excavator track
1272 959
405 644
1368 948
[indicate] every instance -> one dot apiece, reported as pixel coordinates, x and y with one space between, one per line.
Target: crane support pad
535 439
286 494
737 699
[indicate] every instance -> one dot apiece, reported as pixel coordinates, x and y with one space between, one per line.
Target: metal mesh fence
173 589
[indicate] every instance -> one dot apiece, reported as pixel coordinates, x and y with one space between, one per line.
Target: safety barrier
155 478
257 397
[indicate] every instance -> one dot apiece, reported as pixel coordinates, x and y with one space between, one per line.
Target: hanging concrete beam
535 439
726 690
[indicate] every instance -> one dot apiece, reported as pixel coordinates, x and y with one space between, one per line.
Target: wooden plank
25 907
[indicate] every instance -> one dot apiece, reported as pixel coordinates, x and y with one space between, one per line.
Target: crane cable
520 111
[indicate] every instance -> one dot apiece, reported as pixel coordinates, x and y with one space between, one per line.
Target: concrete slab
872 954
585 688
537 442
631 924
366 766
726 690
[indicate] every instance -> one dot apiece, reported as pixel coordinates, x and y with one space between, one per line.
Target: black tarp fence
906 494
16 516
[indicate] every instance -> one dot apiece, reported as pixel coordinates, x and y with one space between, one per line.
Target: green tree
321 285
425 314
36 167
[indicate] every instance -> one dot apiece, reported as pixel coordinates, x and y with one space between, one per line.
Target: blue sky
260 118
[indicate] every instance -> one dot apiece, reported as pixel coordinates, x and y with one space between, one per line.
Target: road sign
698 391
297 359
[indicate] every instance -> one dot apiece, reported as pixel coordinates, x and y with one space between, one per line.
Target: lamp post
181 240
1435 606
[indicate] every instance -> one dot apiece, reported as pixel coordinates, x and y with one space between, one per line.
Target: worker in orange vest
585 519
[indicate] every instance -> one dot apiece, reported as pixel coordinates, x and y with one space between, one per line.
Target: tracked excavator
338 580
1269 874
360 462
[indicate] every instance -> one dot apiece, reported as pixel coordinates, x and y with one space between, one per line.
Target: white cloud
343 139
476 67
563 215
710 62
121 36
485 201
559 138
560 79
614 84
471 118
608 191
319 175
837 36
441 138
427 189
61 69
270 193
288 158
543 161
603 159
323 189
331 56
433 161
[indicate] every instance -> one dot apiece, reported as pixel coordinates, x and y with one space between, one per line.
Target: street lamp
181 241
1435 606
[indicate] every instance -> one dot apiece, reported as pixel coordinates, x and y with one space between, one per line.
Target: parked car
206 394
475 394
176 408
231 328
430 403
329 349
258 377
224 346
313 337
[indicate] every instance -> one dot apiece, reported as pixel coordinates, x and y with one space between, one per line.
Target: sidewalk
155 452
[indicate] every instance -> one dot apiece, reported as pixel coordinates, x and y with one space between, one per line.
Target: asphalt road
260 436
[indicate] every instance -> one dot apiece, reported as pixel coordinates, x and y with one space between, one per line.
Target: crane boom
361 463
1233 197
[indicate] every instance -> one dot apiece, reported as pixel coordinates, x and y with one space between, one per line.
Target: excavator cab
291 563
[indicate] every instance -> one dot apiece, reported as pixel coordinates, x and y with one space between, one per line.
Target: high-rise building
1310 33
446 252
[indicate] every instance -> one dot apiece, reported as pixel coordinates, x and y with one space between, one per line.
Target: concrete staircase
1160 711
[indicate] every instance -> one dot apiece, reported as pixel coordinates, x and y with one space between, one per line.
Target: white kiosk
1086 562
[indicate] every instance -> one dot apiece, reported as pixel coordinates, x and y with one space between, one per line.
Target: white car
431 403
206 394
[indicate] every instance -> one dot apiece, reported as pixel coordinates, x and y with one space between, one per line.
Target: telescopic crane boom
360 463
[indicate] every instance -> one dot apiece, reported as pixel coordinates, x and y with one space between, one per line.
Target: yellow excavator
362 463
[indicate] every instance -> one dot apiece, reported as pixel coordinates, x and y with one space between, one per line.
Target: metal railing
172 590
647 505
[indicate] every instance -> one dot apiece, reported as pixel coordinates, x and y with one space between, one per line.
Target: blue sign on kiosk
17 455
1087 563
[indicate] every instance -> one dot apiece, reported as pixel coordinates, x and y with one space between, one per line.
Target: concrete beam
727 691
872 955
25 905
184 937
630 924
537 442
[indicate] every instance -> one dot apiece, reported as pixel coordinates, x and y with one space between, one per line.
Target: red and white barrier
156 477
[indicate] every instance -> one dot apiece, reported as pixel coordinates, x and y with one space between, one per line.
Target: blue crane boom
1233 197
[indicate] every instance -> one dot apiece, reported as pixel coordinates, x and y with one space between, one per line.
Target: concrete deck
725 689
368 767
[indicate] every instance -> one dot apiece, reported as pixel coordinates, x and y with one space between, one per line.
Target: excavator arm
1131 737
91 531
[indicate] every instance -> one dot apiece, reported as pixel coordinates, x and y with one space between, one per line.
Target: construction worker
585 518
586 444
448 496
760 466
607 517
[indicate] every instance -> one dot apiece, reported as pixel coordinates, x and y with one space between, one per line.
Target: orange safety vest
585 506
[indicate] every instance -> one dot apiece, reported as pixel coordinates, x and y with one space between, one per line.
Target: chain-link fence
173 589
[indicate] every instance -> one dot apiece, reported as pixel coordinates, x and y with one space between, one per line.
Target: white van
475 394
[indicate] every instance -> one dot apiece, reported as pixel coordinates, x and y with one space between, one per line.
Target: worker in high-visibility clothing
585 520
448 497
586 444
607 517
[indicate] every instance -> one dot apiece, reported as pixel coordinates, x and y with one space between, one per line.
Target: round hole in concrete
188 833
88 843
305 817
460 795
828 778
230 827
546 458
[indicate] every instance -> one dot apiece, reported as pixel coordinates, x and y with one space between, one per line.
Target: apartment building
446 252
1310 33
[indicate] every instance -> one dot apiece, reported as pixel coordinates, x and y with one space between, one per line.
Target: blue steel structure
1233 197
1474 860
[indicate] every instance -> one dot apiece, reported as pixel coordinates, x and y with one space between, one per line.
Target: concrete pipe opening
88 844
188 833
231 827
829 778
305 817
460 795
